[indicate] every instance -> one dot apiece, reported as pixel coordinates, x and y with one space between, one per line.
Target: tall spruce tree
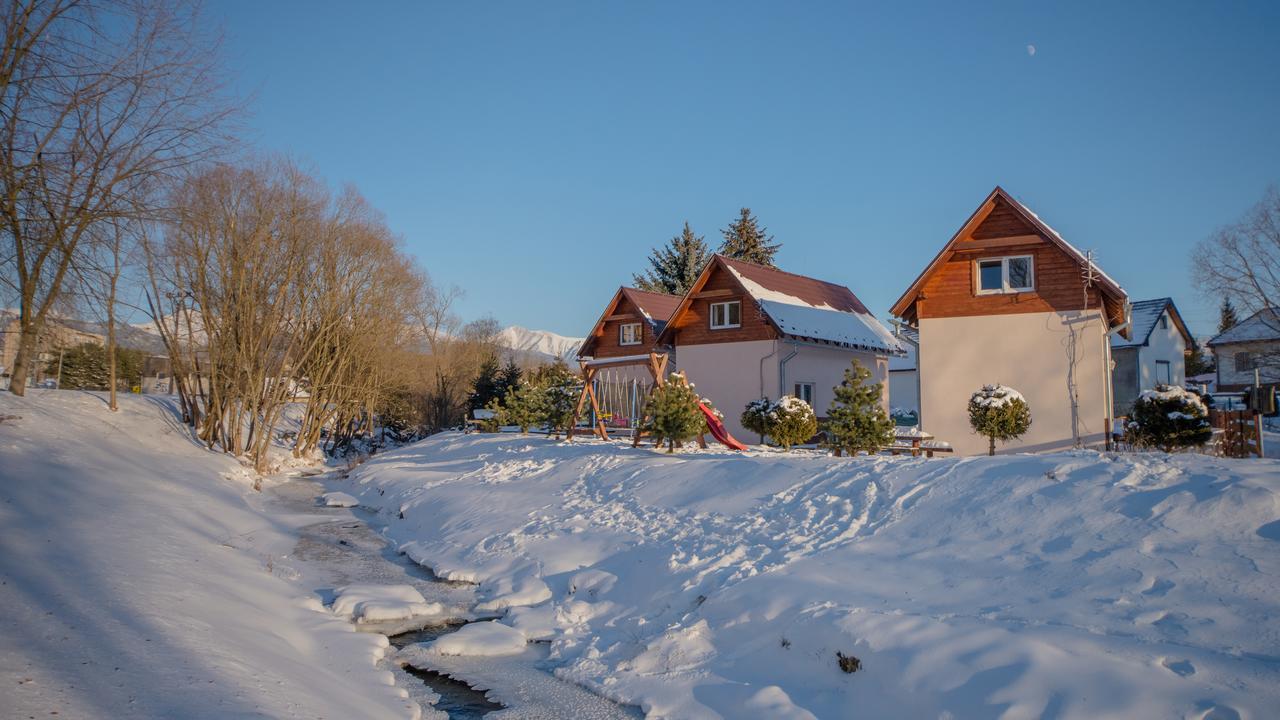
510 377
745 239
1227 316
487 385
674 268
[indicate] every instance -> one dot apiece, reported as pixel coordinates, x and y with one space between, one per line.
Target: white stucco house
746 331
1250 348
904 378
1155 353
1007 300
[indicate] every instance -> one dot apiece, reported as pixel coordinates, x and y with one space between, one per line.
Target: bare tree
1241 262
99 101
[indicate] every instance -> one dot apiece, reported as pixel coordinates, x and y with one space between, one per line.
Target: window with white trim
1164 372
1005 275
629 334
726 315
804 391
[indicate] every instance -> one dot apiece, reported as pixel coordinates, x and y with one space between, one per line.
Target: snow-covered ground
712 584
140 577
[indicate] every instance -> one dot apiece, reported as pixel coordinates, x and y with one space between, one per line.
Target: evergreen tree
673 413
856 419
744 239
1227 316
487 385
1197 363
675 267
1169 418
510 377
84 367
999 413
755 416
522 406
791 421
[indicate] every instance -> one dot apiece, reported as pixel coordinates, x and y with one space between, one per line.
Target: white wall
1164 344
1036 354
904 389
733 374
1225 357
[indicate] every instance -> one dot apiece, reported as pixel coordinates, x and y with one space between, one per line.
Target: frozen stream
341 548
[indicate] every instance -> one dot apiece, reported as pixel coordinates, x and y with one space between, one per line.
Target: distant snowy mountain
539 344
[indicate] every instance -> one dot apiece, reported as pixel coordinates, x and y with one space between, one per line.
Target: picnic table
915 441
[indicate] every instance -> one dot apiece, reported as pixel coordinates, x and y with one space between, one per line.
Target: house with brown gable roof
1007 300
629 325
746 331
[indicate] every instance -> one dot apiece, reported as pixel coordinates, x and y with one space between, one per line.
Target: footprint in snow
1181 667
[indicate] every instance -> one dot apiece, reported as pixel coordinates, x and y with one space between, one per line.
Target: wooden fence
1241 432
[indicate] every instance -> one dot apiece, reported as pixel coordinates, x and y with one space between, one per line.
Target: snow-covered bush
673 413
790 421
857 420
999 413
1168 418
755 417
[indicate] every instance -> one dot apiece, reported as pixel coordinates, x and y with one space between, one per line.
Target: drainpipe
1108 390
782 368
762 359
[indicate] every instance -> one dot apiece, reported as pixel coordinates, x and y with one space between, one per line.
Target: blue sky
534 153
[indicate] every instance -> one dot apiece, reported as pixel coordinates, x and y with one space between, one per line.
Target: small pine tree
1197 363
744 239
674 268
1227 316
1169 418
486 386
791 421
673 413
857 420
523 407
755 416
85 367
559 400
999 413
509 378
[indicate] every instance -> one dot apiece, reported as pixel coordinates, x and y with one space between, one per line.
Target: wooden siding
694 327
1002 221
951 291
606 343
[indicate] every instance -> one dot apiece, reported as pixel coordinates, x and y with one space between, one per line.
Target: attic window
1005 275
1164 322
726 315
629 334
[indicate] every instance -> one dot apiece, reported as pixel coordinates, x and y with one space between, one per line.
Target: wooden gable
691 322
1000 228
605 340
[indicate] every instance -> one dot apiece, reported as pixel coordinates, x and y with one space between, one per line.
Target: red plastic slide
718 431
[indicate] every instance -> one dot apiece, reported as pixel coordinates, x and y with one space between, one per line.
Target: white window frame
1005 288
726 325
798 392
638 337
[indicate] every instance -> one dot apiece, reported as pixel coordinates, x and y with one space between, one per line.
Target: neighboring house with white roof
746 331
1155 353
1007 300
1253 344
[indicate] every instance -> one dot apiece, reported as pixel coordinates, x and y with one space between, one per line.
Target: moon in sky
1031 50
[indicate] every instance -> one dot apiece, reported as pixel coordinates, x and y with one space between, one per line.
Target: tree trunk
991 450
111 344
22 361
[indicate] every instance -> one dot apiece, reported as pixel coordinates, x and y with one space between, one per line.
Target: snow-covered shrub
1168 418
755 417
673 413
790 421
999 413
857 420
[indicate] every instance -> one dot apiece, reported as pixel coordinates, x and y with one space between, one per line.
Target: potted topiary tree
1169 418
790 421
856 419
999 413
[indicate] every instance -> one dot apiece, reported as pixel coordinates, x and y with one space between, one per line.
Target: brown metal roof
658 306
810 290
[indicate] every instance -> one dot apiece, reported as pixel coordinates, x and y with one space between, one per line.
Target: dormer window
726 315
629 334
1005 275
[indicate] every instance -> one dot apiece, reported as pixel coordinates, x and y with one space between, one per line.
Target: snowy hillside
715 585
539 344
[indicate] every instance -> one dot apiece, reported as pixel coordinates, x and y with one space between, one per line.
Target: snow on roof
1081 257
656 307
1143 318
813 309
1262 325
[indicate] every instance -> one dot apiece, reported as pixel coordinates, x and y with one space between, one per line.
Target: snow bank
717 584
484 639
140 580
382 603
338 499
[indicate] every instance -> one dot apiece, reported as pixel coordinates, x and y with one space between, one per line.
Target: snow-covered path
137 582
